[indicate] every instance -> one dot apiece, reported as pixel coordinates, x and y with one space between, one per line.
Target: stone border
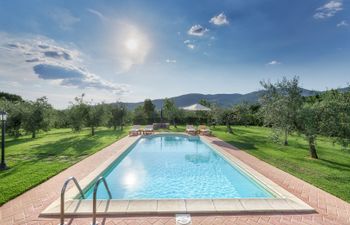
283 201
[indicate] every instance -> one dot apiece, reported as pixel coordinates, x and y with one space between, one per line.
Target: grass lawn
331 172
33 161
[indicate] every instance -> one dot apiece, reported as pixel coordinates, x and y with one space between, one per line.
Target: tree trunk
229 128
286 137
121 124
114 127
174 123
312 148
33 134
92 131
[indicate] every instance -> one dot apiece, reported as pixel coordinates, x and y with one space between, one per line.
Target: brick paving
26 208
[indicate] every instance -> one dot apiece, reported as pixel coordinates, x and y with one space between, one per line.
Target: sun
132 44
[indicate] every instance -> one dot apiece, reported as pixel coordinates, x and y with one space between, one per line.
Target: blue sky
132 50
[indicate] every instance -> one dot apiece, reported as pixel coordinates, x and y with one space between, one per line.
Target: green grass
179 128
32 161
331 172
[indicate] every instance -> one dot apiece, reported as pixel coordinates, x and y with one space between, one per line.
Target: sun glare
132 44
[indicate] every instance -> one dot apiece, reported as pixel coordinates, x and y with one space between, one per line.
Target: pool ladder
95 196
63 191
94 205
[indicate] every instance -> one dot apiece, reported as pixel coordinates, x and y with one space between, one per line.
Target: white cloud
98 14
64 18
219 20
343 24
170 60
12 84
43 58
197 30
273 62
329 9
189 44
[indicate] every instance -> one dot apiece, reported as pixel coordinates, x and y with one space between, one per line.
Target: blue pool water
176 167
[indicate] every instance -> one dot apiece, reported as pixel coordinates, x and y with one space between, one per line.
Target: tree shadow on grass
246 140
235 145
244 145
21 140
72 146
70 149
77 146
335 165
11 170
26 136
252 141
17 141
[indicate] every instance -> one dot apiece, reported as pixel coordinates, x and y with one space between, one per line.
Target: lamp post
3 118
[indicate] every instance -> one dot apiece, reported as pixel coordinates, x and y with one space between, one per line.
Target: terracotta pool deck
26 208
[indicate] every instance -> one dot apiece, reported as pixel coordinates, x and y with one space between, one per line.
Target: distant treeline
282 107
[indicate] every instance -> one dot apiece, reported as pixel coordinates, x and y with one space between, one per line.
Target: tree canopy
280 105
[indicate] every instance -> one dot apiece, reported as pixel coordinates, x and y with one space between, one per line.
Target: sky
132 50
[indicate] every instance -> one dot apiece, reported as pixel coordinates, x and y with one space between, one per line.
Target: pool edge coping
285 202
272 186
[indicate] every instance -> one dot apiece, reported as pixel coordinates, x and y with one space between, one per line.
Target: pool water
176 167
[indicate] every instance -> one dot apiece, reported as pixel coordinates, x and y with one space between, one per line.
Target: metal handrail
63 191
95 196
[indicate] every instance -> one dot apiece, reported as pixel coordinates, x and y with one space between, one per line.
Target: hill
223 100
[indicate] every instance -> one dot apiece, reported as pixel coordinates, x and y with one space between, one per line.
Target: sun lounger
191 130
135 130
148 129
204 130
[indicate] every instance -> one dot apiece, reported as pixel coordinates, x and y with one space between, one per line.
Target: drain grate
183 219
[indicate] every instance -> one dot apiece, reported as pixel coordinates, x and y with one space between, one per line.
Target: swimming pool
176 167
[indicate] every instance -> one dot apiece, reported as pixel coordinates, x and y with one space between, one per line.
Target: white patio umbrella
196 107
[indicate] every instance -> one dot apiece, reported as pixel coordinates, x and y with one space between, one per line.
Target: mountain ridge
223 100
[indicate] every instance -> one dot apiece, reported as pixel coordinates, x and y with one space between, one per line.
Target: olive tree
61 118
138 115
36 116
77 113
215 114
280 105
335 118
243 113
170 110
94 116
15 112
118 113
308 123
228 117
149 110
